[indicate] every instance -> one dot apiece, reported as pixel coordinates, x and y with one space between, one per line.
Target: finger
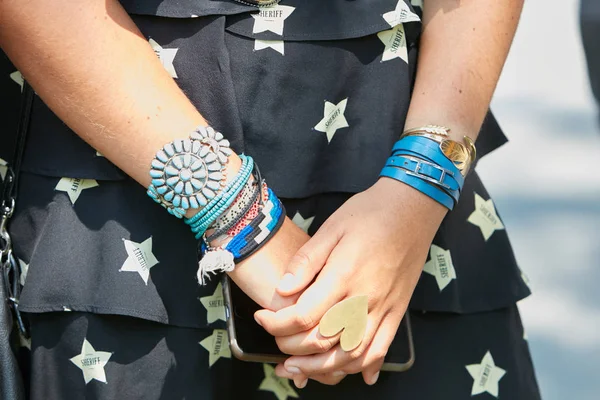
308 262
372 360
330 379
300 380
335 359
305 343
308 310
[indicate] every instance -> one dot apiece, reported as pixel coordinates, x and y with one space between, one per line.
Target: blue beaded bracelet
229 194
247 242
256 233
245 161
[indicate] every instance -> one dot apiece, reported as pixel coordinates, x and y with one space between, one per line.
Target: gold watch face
457 153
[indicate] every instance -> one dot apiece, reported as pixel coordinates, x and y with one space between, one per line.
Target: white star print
140 258
440 266
301 222
400 15
91 362
215 309
485 217
395 44
74 186
279 386
333 119
3 168
98 154
166 57
217 346
276 45
24 269
18 78
271 18
417 3
526 279
485 376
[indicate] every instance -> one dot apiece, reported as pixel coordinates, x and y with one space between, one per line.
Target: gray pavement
546 185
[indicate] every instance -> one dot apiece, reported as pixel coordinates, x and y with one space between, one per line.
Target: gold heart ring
349 316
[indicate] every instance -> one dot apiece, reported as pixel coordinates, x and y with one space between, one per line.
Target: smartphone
250 342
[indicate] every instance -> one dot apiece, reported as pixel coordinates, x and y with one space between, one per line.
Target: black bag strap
9 191
11 271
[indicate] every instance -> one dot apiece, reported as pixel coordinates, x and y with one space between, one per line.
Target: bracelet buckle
440 182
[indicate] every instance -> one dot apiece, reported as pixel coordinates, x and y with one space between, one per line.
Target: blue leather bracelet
427 171
422 186
428 149
426 154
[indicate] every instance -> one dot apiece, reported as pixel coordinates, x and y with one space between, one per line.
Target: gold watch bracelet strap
461 154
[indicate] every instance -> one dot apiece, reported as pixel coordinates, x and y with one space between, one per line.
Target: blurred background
546 186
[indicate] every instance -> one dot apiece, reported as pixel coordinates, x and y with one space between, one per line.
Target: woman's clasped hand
375 245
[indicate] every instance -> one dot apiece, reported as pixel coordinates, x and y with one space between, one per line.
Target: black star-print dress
317 92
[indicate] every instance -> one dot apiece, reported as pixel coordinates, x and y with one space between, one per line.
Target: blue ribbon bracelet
429 149
428 171
422 186
420 162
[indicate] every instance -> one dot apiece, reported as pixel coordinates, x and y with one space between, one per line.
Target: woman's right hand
259 275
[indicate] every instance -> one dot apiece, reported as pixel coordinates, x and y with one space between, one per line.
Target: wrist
458 127
407 198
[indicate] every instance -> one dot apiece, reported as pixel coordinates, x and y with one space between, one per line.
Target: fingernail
302 384
339 373
293 370
374 379
287 282
257 320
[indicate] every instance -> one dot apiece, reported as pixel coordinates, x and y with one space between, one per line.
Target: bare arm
92 66
463 49
96 71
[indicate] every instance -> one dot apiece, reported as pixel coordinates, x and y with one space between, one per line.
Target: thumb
308 261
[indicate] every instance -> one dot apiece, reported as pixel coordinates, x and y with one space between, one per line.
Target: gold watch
461 154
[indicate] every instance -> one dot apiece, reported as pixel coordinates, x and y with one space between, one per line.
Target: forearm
463 48
97 72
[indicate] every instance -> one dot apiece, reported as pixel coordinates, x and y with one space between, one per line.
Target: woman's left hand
375 245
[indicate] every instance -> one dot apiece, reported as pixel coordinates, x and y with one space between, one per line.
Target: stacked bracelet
243 214
200 222
254 234
247 199
427 160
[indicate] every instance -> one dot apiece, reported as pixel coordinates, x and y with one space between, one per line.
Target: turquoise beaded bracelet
200 223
